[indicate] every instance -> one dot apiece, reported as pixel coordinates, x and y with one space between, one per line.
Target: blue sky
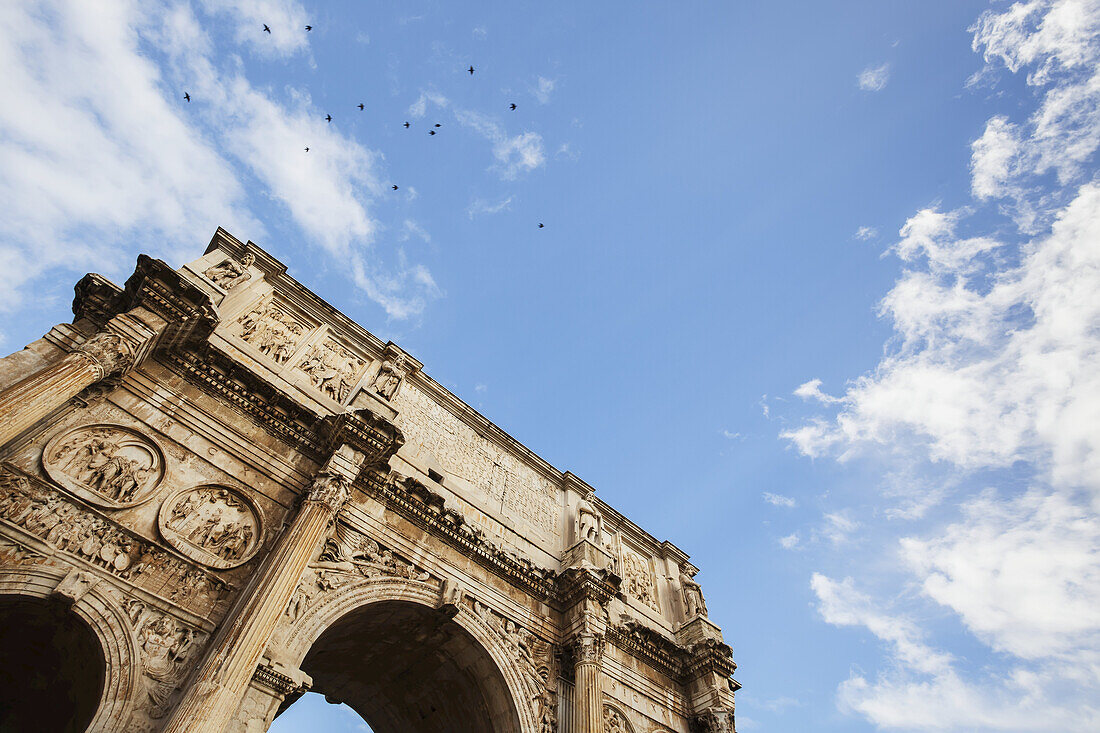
740 199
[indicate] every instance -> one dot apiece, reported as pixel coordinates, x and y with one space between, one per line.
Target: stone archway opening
406 668
51 667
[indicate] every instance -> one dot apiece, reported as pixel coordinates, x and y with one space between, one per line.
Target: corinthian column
220 681
34 397
588 693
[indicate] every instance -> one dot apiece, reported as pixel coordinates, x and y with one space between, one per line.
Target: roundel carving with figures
213 525
109 465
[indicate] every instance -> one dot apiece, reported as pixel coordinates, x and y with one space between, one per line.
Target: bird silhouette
395 187
187 96
541 225
513 106
328 118
307 150
360 105
406 124
309 28
431 132
438 125
471 70
266 29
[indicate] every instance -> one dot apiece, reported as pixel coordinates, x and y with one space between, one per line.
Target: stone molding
426 509
281 684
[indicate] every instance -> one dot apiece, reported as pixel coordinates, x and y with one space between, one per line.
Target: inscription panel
505 482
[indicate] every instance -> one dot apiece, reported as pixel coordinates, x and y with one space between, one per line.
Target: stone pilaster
219 683
588 692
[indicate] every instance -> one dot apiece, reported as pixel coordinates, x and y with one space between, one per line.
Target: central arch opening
406 668
51 667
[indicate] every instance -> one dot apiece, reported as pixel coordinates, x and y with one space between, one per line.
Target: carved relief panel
614 721
272 330
109 465
638 579
213 525
333 370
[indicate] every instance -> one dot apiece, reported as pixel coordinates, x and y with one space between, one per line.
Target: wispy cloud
865 233
481 207
779 500
789 542
874 78
543 89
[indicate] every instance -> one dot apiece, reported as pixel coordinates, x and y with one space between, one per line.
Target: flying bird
471 69
307 150
395 187
438 125
541 225
513 106
406 124
266 29
431 132
309 28
360 105
328 118
187 96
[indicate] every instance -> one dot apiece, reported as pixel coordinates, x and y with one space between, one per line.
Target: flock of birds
406 125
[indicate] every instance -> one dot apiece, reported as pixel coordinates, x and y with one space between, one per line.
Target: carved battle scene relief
332 369
614 721
79 533
638 579
109 465
272 330
214 525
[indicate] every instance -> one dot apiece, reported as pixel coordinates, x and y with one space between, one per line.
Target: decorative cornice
659 652
373 435
276 681
426 509
576 584
189 311
711 656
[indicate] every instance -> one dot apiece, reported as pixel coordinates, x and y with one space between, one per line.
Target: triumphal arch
218 492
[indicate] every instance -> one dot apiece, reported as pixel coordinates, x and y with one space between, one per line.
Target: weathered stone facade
236 494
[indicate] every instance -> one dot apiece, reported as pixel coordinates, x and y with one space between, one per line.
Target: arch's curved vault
404 667
51 667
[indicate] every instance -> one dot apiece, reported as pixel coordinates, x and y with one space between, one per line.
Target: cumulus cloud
514 154
811 390
991 373
874 78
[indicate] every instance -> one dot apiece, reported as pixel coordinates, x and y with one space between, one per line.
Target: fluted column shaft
588 692
34 397
219 683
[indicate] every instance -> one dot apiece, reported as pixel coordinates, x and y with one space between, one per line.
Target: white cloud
514 154
481 388
479 32
790 541
874 78
991 374
839 526
96 152
286 19
543 89
811 390
413 229
865 233
729 435
779 500
481 207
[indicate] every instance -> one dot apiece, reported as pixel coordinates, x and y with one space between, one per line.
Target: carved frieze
167 650
213 525
42 512
614 721
272 330
109 465
229 273
638 579
332 369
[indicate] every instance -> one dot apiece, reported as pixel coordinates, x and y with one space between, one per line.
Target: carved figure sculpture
589 520
333 370
694 605
229 273
389 377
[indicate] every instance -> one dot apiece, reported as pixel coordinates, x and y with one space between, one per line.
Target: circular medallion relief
109 465
213 525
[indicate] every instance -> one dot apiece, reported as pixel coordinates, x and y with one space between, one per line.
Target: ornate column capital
108 352
588 648
713 720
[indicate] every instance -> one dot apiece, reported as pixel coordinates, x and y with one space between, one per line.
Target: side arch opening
403 667
51 667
